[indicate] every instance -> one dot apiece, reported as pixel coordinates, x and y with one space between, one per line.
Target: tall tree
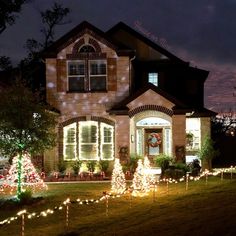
26 124
8 12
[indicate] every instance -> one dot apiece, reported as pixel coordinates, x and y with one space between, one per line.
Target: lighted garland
104 197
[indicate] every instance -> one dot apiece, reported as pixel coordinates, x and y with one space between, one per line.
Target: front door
153 142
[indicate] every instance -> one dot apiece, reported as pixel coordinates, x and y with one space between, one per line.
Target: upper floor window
87 75
153 78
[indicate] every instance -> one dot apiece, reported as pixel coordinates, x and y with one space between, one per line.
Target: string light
104 197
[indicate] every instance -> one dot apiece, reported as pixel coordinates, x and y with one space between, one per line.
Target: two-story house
119 93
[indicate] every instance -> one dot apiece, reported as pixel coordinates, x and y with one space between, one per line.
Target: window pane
89 134
107 132
88 152
98 83
153 78
98 67
69 137
107 144
76 68
107 152
88 142
76 83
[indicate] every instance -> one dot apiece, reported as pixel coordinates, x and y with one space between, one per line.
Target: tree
32 67
26 124
8 12
207 152
5 63
51 18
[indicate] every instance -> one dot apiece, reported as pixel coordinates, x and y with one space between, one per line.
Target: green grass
205 209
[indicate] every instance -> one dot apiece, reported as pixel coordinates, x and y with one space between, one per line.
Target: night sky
202 32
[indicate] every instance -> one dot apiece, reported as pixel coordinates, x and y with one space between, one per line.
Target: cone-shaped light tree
150 178
140 185
118 184
30 179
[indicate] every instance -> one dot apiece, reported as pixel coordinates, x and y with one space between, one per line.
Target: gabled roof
122 26
121 107
76 32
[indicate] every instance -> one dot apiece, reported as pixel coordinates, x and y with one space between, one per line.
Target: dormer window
87 74
153 78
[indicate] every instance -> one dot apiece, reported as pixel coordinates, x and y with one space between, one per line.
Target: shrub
174 173
163 161
76 166
61 167
25 196
133 163
91 165
103 165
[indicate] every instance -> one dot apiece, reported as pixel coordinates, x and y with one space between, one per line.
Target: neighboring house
118 93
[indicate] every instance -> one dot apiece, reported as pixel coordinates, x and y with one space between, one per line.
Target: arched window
86 49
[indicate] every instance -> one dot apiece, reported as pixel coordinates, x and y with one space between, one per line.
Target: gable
150 98
144 47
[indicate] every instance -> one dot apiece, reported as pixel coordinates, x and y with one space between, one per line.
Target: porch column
122 137
178 137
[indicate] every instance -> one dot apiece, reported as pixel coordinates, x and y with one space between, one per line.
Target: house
118 93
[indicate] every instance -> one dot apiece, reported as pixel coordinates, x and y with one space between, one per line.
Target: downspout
130 73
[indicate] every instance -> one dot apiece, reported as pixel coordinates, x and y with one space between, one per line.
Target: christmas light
140 185
29 178
118 184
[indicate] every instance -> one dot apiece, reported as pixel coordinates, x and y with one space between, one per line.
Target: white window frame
81 125
96 75
102 126
76 75
65 143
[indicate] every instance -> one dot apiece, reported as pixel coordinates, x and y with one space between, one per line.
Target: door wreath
154 140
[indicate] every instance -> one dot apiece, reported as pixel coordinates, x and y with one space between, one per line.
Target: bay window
88 140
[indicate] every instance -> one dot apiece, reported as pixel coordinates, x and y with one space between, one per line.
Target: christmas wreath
154 140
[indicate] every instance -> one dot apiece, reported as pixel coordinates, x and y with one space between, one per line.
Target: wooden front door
153 142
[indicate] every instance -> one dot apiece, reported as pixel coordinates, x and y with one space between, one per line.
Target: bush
62 167
76 166
174 173
91 165
133 163
103 165
25 196
163 161
181 166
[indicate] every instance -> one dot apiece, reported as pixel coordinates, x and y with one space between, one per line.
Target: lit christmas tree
140 185
118 184
30 179
150 178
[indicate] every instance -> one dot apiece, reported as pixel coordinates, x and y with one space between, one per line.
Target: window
106 142
88 136
153 78
91 141
69 139
97 75
76 75
87 75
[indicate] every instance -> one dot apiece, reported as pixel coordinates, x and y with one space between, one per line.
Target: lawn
204 209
